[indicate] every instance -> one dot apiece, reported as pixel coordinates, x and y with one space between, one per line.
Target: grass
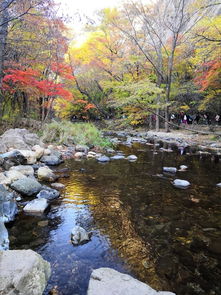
66 132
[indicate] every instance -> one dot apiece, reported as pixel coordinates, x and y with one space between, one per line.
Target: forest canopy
139 62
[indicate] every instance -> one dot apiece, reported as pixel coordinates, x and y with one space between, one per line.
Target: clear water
142 225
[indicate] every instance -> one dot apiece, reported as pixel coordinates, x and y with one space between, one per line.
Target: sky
80 11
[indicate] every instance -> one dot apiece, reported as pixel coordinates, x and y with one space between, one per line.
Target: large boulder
48 193
46 174
19 139
26 170
8 206
36 206
4 241
110 282
23 272
27 186
12 158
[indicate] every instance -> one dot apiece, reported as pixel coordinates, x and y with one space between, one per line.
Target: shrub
65 132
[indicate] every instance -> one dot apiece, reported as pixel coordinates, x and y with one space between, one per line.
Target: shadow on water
142 225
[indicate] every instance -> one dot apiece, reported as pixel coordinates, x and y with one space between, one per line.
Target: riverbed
141 224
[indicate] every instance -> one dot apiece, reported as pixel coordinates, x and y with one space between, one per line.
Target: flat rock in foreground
111 282
23 272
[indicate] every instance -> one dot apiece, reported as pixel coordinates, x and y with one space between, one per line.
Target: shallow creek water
142 225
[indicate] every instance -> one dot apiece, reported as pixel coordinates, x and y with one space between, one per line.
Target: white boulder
23 272
111 282
180 183
132 158
36 206
219 184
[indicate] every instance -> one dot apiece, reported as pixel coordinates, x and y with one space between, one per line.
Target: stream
141 224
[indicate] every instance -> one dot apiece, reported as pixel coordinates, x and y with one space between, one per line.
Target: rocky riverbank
181 140
26 164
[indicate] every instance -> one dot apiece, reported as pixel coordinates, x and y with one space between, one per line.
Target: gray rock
13 175
29 155
36 206
57 185
180 183
48 193
110 282
46 174
4 179
23 272
118 157
52 160
103 159
132 158
4 241
11 159
79 155
31 139
219 184
27 186
79 235
82 148
24 169
8 206
170 169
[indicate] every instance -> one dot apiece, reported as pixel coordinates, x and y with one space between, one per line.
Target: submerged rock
103 159
23 272
110 282
57 185
4 241
180 183
118 157
79 235
27 186
170 169
8 206
36 206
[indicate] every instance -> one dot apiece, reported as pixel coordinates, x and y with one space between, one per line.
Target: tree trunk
4 16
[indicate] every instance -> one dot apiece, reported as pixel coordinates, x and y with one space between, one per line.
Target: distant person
217 119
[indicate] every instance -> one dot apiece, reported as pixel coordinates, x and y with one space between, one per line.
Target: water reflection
141 224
